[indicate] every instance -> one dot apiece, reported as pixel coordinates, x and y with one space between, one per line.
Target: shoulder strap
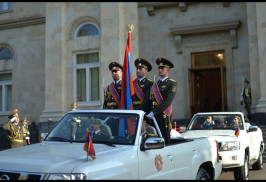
114 93
138 91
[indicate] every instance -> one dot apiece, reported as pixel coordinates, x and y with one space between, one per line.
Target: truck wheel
242 172
203 174
259 164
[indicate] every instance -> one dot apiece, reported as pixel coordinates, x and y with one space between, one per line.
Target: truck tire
203 174
259 164
242 172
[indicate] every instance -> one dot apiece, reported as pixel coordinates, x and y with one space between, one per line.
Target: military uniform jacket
25 134
145 105
109 101
15 134
100 135
167 89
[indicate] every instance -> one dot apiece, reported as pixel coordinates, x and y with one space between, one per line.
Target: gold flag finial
130 28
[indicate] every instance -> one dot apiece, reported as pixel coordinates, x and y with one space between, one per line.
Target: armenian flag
237 130
88 146
127 90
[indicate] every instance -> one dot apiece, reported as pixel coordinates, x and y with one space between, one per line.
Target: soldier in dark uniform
162 95
97 132
246 97
142 85
14 130
112 93
25 131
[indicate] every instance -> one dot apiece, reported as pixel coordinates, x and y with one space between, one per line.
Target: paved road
253 174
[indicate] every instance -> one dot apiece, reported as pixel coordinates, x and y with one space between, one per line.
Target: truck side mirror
252 128
152 143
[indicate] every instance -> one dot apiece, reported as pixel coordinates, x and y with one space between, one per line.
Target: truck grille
7 175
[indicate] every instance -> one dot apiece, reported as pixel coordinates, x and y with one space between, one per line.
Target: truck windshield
215 122
106 128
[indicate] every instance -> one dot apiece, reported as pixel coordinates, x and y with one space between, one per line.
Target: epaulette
104 133
150 80
172 80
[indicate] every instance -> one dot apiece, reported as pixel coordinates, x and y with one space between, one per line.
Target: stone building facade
213 45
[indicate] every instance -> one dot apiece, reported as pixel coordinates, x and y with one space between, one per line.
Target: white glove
150 115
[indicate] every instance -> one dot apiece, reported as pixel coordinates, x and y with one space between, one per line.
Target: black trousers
163 127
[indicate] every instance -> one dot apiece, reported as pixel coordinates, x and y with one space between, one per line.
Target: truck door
183 156
156 164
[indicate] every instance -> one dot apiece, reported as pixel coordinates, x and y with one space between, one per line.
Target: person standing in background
14 130
246 98
25 131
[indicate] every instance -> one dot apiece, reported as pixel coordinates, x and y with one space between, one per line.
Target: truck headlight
228 146
66 177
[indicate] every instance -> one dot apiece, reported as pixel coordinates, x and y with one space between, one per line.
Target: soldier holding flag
162 96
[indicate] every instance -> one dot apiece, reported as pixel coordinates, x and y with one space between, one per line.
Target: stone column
261 26
54 63
253 54
114 18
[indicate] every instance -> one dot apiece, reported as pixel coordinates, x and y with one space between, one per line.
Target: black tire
203 174
242 172
259 164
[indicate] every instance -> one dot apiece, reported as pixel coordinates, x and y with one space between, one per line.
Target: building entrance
207 83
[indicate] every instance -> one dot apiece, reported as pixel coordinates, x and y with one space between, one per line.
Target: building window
87 30
86 78
5 92
5 54
6 6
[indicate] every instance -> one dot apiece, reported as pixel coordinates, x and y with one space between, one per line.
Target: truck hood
53 157
220 135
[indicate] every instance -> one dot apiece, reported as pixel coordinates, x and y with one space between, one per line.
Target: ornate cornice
21 22
151 6
230 26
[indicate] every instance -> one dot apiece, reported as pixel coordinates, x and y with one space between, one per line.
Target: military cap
14 113
115 66
96 121
164 62
140 62
246 80
24 119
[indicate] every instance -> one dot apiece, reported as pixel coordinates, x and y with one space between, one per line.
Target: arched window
87 30
5 54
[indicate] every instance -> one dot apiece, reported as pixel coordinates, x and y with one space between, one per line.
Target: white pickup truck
237 152
131 155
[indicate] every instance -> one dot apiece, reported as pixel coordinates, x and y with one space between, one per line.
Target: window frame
4 85
10 7
77 29
86 66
